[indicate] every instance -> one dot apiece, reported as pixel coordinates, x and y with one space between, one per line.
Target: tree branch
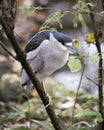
79 85
100 69
6 20
102 2
91 80
7 50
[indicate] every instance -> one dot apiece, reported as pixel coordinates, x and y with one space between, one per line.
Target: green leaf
38 8
88 114
89 4
25 15
13 115
99 117
76 43
90 38
26 9
58 17
23 6
95 58
75 23
42 124
81 19
74 64
21 128
102 12
55 18
76 6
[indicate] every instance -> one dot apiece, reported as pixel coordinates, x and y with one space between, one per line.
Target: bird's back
36 40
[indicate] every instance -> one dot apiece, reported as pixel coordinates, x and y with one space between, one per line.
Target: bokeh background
28 22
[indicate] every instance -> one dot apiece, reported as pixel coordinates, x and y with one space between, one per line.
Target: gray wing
36 62
35 59
37 39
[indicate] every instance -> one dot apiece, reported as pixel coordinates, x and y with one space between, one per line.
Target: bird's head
65 42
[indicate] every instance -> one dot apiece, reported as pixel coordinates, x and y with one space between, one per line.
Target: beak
72 50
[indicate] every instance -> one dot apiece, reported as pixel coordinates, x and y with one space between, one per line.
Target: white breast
55 56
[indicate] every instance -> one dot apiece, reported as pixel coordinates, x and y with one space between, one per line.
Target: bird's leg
50 100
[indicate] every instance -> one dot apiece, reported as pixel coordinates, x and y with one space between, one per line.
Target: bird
46 52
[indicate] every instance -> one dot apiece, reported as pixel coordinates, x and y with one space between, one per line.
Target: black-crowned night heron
46 52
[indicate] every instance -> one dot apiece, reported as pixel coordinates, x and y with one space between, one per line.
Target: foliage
90 38
27 9
76 43
86 115
89 114
74 64
95 58
53 18
86 112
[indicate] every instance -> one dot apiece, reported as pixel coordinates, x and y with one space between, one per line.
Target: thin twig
79 85
62 11
7 50
91 80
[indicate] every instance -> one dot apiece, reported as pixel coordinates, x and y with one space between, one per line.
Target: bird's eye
69 44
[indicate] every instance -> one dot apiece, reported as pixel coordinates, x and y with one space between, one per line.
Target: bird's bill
73 50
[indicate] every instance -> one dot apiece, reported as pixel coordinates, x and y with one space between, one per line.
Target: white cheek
69 44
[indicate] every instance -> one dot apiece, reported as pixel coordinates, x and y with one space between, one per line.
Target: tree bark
100 68
7 19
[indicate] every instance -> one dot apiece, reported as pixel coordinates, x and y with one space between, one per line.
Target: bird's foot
50 101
